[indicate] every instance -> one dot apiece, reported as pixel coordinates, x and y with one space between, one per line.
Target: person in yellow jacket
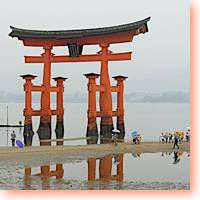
180 134
139 138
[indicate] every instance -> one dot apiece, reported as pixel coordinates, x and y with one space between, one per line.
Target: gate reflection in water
107 172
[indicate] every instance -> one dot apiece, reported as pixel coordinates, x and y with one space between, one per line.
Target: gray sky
160 57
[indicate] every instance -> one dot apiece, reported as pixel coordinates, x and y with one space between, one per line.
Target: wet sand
85 151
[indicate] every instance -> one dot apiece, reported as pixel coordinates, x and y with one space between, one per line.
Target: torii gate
75 40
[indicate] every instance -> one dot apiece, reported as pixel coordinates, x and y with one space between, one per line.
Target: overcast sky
160 57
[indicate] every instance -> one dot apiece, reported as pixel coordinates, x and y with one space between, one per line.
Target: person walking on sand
13 137
162 138
115 135
166 138
176 139
170 138
187 135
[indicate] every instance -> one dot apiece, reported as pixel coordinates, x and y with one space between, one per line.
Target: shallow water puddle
121 171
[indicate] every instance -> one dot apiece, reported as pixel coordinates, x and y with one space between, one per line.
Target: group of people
175 138
167 137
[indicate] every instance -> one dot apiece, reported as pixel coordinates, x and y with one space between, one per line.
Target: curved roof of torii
80 33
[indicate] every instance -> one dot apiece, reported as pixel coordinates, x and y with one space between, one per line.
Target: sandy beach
37 155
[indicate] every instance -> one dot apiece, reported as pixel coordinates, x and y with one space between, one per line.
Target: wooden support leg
60 109
28 130
120 105
92 130
44 130
106 124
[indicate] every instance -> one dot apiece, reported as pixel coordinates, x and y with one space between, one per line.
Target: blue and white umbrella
134 134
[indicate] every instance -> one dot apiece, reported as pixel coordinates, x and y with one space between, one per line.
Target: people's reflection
136 155
177 155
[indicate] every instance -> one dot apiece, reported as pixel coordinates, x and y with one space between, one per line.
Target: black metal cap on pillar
120 77
59 78
28 76
91 75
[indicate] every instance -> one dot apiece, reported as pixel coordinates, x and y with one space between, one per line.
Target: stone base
93 133
28 135
44 131
106 133
59 132
121 128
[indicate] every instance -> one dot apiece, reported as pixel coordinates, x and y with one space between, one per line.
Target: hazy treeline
77 97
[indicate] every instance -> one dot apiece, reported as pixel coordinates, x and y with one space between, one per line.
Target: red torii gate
75 40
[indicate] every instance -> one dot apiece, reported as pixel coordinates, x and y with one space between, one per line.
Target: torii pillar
44 130
28 128
60 109
106 124
92 130
120 105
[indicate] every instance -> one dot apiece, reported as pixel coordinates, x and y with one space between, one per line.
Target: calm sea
149 119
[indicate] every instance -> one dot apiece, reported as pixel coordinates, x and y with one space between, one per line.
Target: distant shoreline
82 97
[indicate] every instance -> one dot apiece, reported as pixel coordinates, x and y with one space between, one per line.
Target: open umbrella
116 130
134 134
19 144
